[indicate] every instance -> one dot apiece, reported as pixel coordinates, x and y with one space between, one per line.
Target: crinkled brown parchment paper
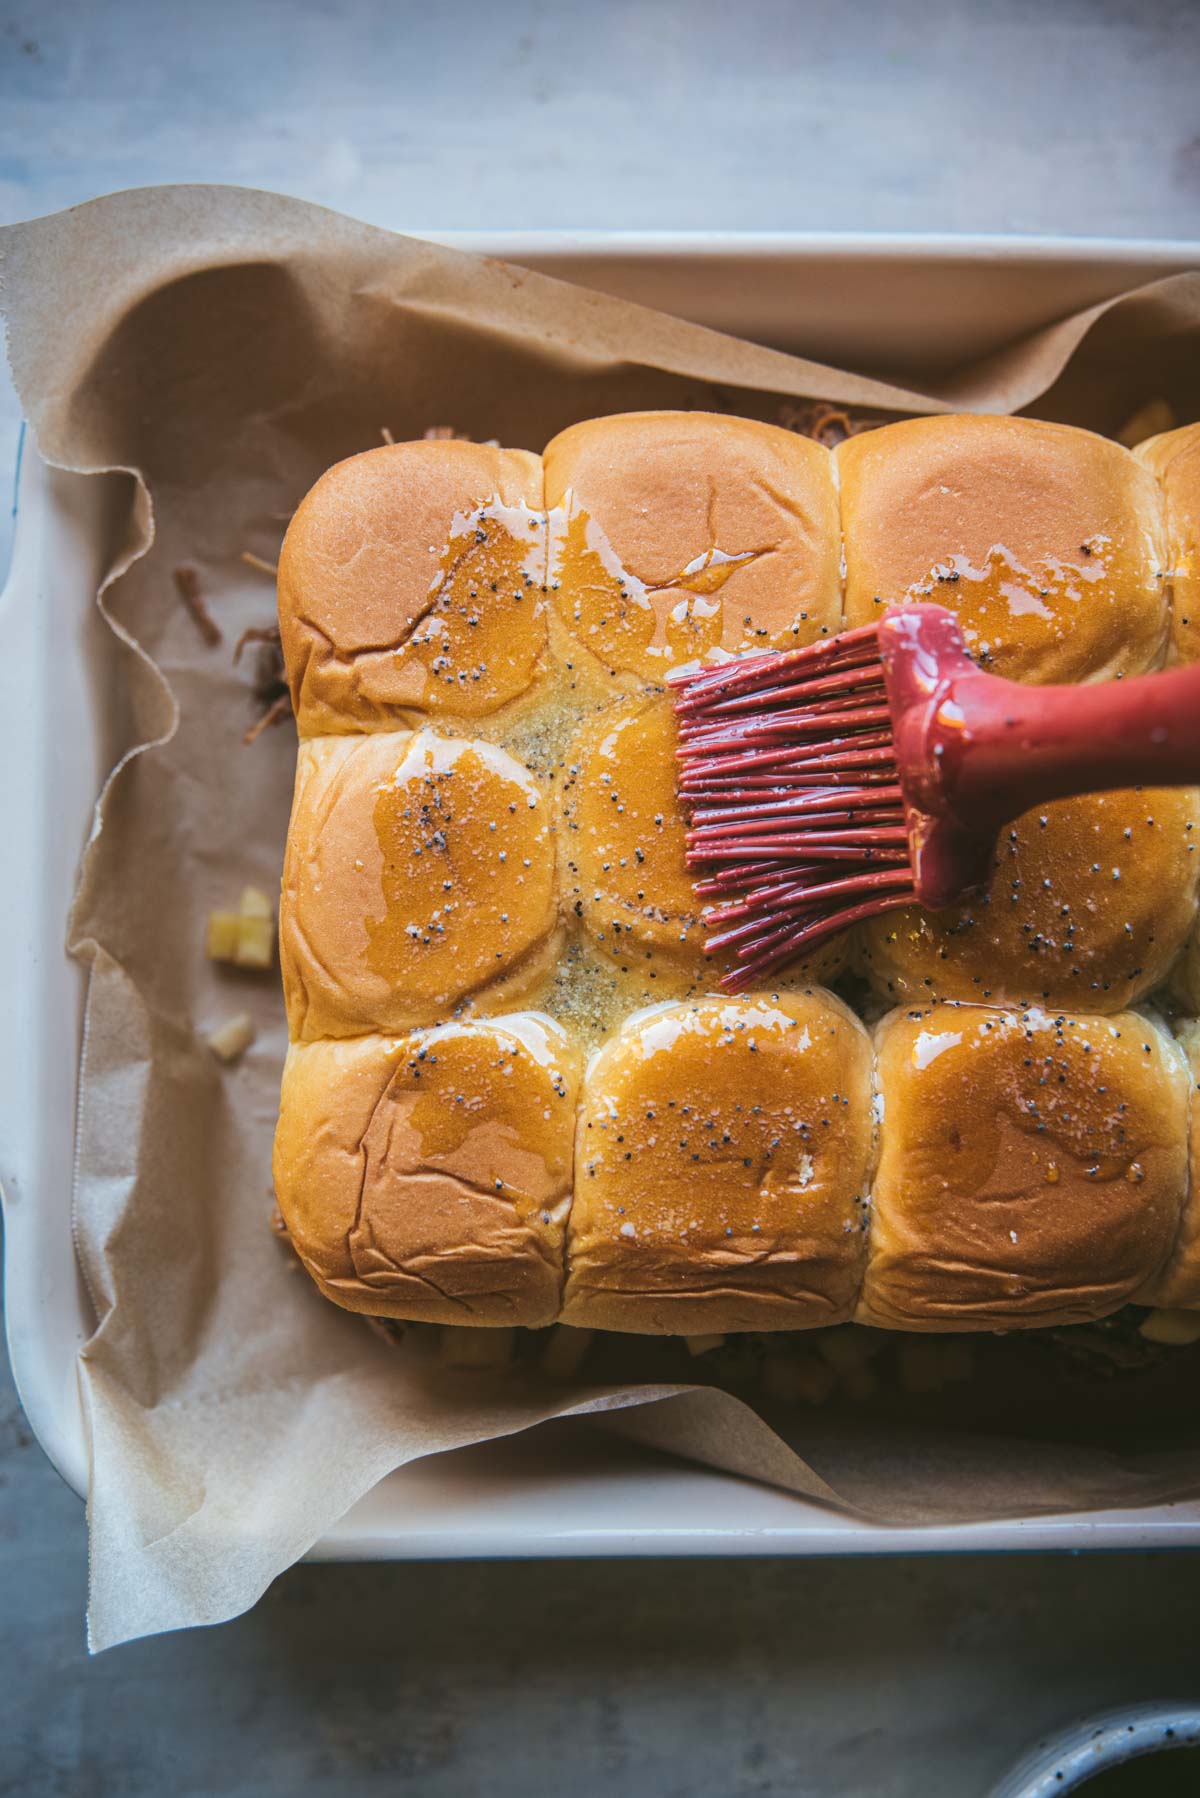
224 347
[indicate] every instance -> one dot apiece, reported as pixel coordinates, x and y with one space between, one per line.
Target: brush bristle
789 785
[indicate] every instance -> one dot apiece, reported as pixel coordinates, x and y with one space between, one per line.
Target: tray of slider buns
515 1093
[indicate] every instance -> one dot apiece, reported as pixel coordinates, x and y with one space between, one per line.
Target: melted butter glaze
466 868
489 1102
624 839
711 1095
1088 904
1048 542
721 1140
482 633
647 629
1032 1166
623 852
1031 622
592 994
1050 1109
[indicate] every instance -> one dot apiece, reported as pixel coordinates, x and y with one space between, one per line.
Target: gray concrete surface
905 1678
891 1679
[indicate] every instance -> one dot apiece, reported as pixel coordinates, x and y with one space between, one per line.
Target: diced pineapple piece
245 937
255 904
220 940
232 1038
255 942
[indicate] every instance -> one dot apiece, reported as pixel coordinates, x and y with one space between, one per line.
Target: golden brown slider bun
1177 1284
682 532
428 1176
1032 1169
1184 982
722 1159
1047 541
1090 902
624 849
1174 458
411 582
419 873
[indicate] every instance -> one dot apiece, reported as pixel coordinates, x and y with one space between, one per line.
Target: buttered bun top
494 957
1048 542
411 583
748 1164
428 1176
682 533
1032 1166
723 1153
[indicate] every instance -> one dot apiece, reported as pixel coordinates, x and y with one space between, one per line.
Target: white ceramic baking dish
566 1489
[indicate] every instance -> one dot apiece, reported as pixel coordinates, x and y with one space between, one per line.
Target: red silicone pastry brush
824 785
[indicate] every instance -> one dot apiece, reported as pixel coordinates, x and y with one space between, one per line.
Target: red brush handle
1025 745
975 751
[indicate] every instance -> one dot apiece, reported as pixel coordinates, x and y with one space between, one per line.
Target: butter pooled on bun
1031 1167
682 532
428 1176
722 1163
